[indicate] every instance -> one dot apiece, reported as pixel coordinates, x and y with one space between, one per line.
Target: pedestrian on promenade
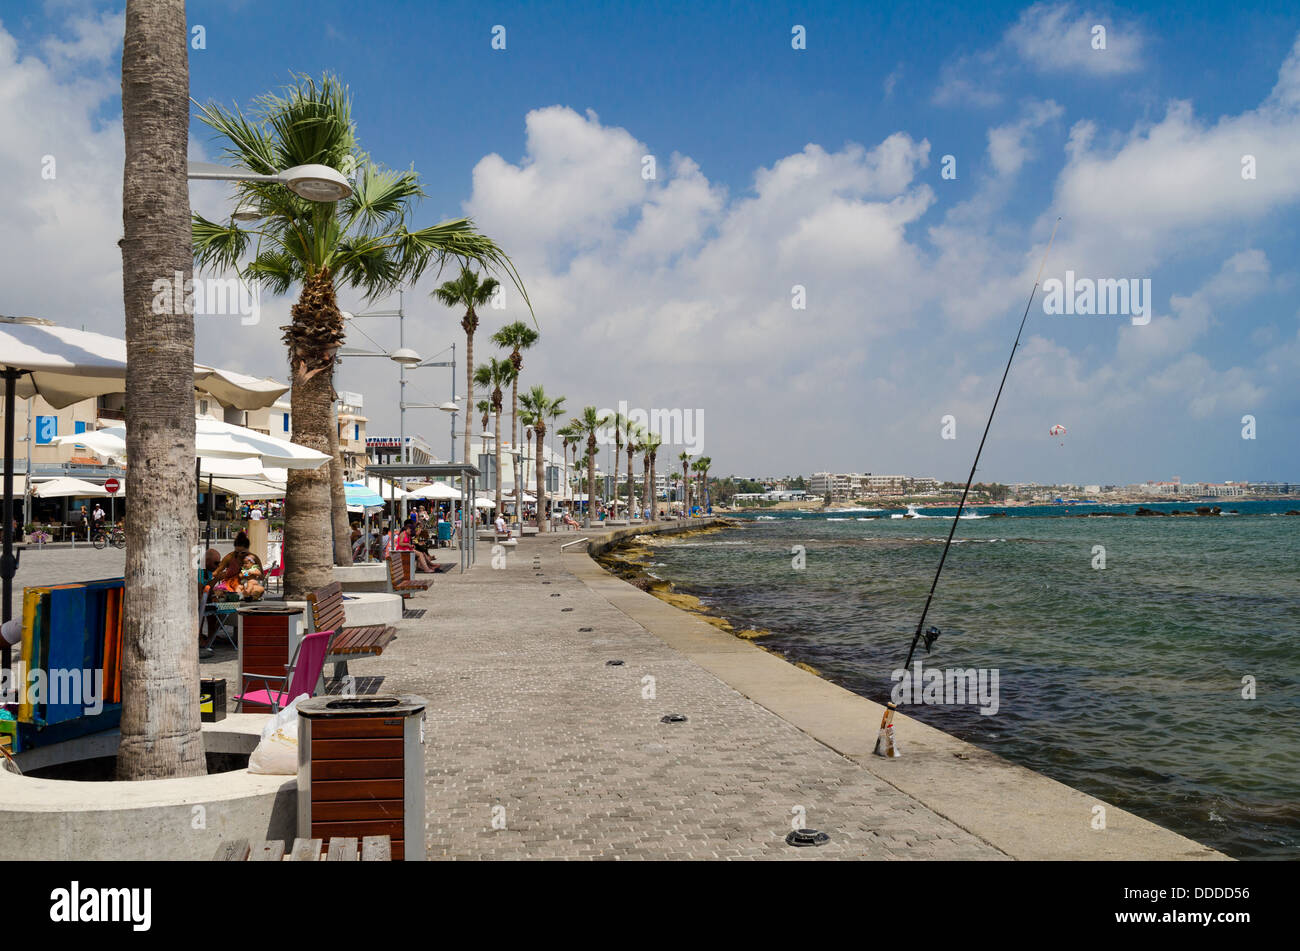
84 519
98 516
255 513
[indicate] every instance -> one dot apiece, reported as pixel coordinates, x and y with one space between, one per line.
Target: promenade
537 747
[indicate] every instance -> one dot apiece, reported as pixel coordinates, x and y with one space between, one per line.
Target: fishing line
920 625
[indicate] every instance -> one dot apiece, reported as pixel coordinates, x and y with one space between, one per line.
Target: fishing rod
933 633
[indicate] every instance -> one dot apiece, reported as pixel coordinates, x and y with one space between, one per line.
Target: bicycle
104 537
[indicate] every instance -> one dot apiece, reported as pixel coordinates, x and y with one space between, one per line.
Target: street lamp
312 182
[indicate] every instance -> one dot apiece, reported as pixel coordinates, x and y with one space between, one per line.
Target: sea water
1163 677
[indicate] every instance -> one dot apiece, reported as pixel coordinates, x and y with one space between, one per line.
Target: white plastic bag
277 751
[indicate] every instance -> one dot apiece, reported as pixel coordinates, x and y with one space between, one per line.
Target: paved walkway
529 725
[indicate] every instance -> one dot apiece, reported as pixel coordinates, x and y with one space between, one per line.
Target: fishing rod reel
930 636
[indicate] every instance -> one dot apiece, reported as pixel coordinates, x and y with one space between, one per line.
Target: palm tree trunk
497 451
308 547
469 393
541 483
516 467
338 495
160 665
591 478
631 490
654 491
645 487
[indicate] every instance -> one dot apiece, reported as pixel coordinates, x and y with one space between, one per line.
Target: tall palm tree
701 468
516 337
469 292
615 422
484 407
492 376
362 241
651 445
685 460
538 408
589 423
706 462
568 436
160 667
634 435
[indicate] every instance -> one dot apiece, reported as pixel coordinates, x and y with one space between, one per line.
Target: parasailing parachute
1058 431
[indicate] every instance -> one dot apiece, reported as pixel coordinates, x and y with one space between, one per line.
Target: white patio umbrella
214 441
437 491
485 503
64 487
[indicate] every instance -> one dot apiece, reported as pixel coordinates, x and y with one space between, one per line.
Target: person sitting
405 543
502 528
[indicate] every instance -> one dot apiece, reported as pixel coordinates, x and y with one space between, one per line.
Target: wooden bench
374 848
402 582
328 614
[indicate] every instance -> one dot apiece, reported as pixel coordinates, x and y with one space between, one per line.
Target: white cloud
1056 37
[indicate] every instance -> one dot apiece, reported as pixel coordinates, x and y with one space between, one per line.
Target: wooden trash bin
361 770
269 633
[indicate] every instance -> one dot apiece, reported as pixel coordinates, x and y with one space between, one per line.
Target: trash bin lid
269 607
321 707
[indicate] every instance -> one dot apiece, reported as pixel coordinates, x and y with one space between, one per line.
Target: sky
848 209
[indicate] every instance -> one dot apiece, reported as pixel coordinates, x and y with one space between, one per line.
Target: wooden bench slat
232 850
272 851
342 850
376 848
305 850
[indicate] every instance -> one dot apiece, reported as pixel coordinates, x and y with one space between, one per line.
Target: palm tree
516 337
538 408
589 422
469 292
615 422
362 241
634 436
701 468
160 669
651 445
685 460
568 436
493 375
484 407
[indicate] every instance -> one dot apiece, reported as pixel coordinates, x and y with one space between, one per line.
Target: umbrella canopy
243 489
484 504
384 488
438 491
66 366
71 488
214 440
360 496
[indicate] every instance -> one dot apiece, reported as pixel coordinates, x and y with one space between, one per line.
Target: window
286 422
356 432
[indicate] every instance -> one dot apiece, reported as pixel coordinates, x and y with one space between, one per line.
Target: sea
1153 662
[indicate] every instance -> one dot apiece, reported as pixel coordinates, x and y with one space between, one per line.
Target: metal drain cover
613 663
805 837
673 718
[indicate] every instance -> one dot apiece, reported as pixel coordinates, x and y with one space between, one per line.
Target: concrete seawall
1021 813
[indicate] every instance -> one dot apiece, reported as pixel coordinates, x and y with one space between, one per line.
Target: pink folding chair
302 674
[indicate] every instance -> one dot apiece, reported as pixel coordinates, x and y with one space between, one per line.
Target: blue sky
819 167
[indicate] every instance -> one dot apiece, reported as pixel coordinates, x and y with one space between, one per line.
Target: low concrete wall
362 577
602 543
170 819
